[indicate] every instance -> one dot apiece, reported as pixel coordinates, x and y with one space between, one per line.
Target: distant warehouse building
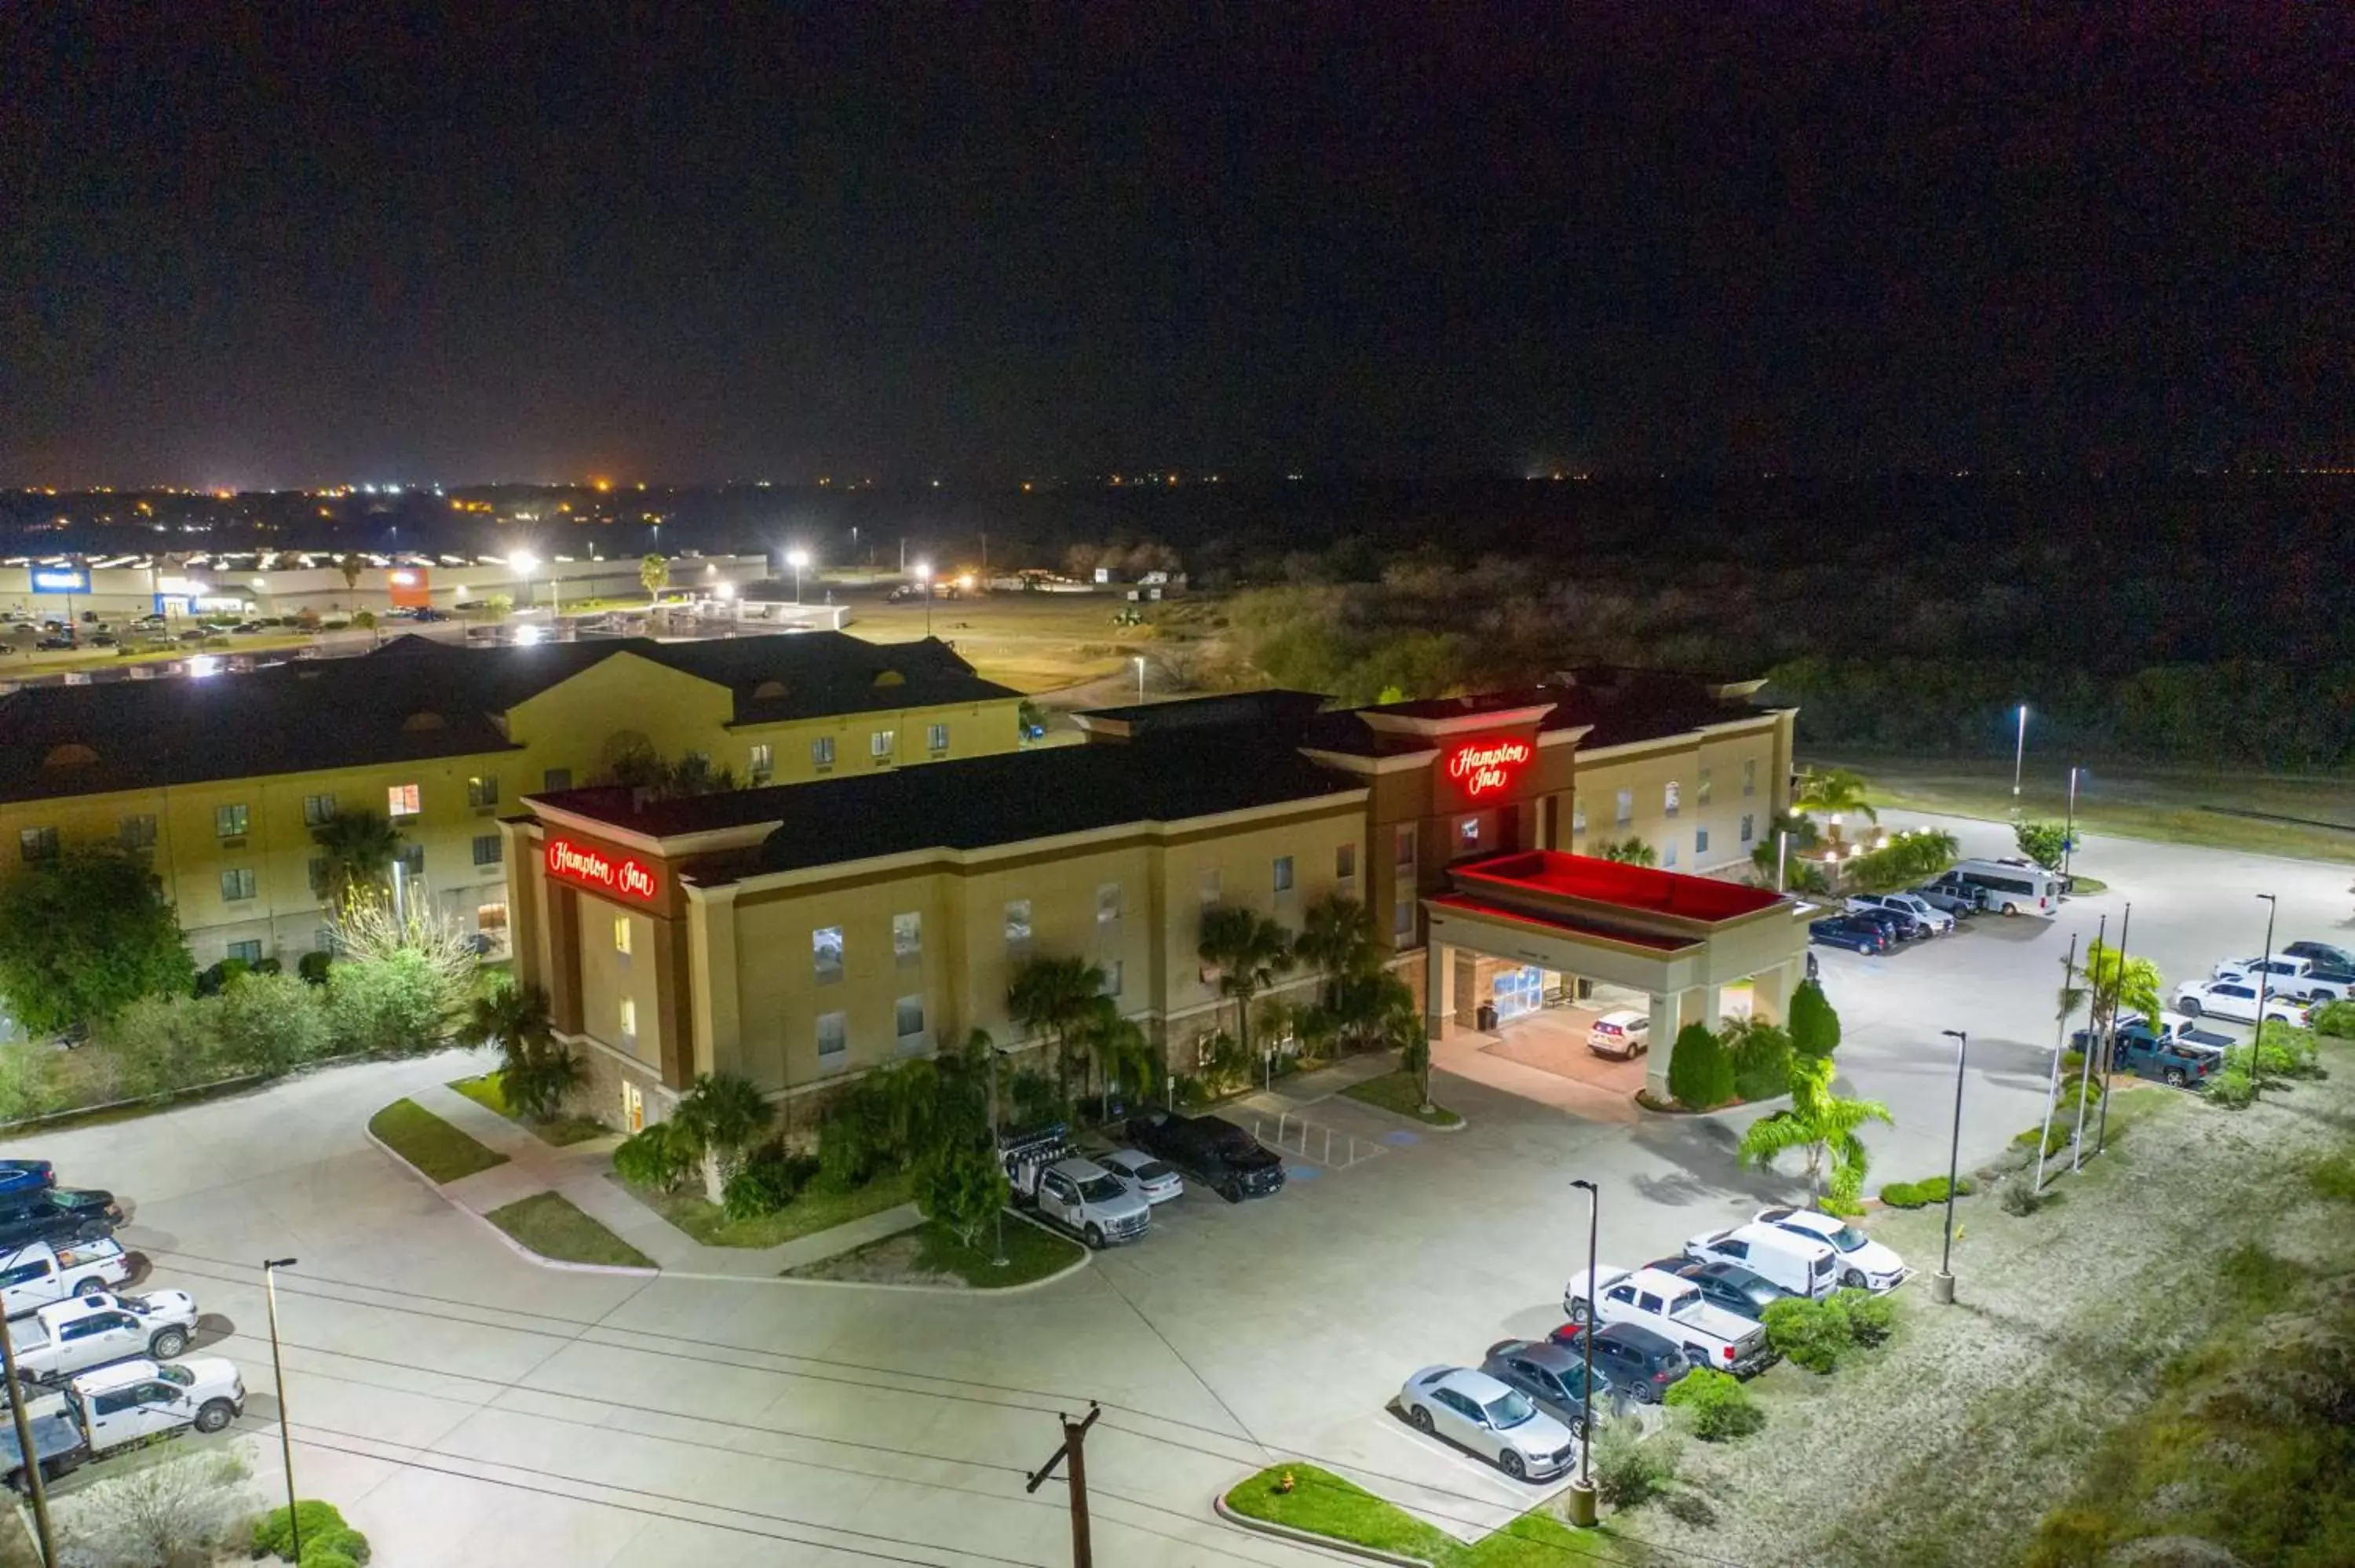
800 936
223 779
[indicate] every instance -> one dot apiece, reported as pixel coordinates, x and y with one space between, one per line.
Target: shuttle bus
2010 886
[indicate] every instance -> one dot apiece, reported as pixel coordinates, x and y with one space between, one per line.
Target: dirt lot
1049 643
1950 1445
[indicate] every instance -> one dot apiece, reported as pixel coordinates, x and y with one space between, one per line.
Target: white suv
1939 922
1670 1306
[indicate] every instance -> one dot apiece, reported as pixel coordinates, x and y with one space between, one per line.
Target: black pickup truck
1211 1149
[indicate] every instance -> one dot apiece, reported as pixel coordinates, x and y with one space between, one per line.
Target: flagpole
2060 1043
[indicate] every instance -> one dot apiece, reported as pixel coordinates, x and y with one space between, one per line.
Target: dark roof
979 803
1274 707
1635 706
416 698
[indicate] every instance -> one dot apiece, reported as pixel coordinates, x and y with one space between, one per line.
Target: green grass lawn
1398 1093
811 1212
484 1092
431 1144
552 1225
1322 1502
1031 1253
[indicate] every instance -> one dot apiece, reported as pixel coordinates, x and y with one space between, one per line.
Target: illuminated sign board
625 878
60 580
1488 766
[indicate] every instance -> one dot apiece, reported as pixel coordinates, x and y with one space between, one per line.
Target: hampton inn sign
628 877
1486 766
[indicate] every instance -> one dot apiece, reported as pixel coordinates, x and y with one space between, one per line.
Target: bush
762 1187
274 1532
2232 1087
2336 1018
2054 1141
1814 1027
326 1557
1718 1406
1762 1060
2334 1176
1921 1194
184 1509
1812 1334
365 620
1700 1074
271 1024
1627 1470
312 967
657 1157
346 1542
1871 1318
2021 1198
2285 1050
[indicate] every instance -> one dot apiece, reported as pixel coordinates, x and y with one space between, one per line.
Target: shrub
762 1187
2285 1050
274 1532
348 1542
271 1024
326 1557
1846 1208
179 1510
312 967
657 1156
1814 1027
1717 1405
1921 1194
1812 1334
2021 1198
963 1190
1762 1060
2054 1141
1700 1074
1871 1318
2336 1018
365 620
2334 1177
2231 1087
1627 1470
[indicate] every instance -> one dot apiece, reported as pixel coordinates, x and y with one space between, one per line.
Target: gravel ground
1947 1446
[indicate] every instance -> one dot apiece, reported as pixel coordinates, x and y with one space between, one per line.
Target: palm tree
1056 997
361 848
1249 950
1820 1123
351 567
1833 791
2113 983
1626 852
534 1071
1338 938
654 575
721 1113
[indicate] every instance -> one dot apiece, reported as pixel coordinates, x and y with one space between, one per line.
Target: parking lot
459 1402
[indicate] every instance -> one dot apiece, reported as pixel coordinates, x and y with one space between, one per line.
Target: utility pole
37 1485
1075 1440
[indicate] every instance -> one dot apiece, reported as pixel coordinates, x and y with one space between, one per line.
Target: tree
181 1510
1626 852
1814 1027
1907 859
1762 1057
721 1113
351 567
1056 997
964 1189
2046 843
2112 983
1336 938
405 976
1832 793
654 575
271 1024
85 934
534 1071
1701 1072
1823 1126
1249 950
359 848
497 606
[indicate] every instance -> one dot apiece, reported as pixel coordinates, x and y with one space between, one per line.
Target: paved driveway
464 1406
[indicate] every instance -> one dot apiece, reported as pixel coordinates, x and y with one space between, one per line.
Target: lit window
1284 873
629 1018
880 745
1625 808
1344 862
1107 904
1404 846
833 1040
1669 798
1750 777
908 937
622 935
937 737
487 849
1018 923
483 790
229 821
762 765
318 810
39 843
1112 973
1467 834
822 752
1749 827
400 800
1700 790
1207 887
1402 917
1700 843
908 1018
136 833
237 885
826 952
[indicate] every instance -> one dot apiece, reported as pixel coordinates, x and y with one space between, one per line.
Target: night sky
992 242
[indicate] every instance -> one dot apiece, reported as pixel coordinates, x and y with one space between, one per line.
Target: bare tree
169 1512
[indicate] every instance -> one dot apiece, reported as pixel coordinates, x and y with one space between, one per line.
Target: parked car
2235 1000
1801 1264
25 1175
1960 899
1149 1178
2286 976
53 644
1741 1291
1850 931
1637 1362
2326 959
103 1411
1213 1150
2144 1053
1709 1335
84 1332
1935 922
37 1274
1864 1264
1083 1197
103 639
1493 1420
1622 1035
56 1214
1552 1376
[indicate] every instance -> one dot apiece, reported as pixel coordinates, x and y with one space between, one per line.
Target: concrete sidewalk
583 1173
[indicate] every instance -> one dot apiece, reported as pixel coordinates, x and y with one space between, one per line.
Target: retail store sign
1488 766
626 877
60 580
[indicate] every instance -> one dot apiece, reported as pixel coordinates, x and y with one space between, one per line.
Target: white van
2010 886
1799 1265
1621 1035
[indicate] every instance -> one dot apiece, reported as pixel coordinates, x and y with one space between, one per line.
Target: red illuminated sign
626 878
1485 766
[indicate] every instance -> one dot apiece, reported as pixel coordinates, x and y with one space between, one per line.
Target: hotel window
822 753
908 937
1625 808
763 764
825 953
1018 926
1467 835
1701 790
37 843
556 779
1107 906
1206 888
629 1011
401 800
907 1020
323 938
318 810
880 743
1750 777
318 870
483 790
833 1042
1749 827
487 849
622 935
1700 843
1669 796
136 833
411 859
1402 914
1112 973
237 885
1344 862
246 952
1403 848
1284 873
1577 815
229 821
1668 852
936 738
491 920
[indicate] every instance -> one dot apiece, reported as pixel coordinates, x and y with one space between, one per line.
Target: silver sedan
1475 1411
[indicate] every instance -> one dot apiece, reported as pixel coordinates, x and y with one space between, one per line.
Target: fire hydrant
1283 1486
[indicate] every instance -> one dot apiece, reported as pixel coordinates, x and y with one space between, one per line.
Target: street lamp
1941 1284
1139 661
2019 756
2069 827
270 1268
2265 973
1581 1490
797 559
523 562
922 572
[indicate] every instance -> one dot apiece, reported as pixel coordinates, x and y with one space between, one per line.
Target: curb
1416 1122
967 1291
1310 1537
513 1245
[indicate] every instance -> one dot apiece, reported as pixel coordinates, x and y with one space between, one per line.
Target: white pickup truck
112 1408
38 1273
2285 977
1655 1299
91 1331
1090 1203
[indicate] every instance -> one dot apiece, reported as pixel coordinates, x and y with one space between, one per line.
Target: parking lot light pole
1581 1490
797 559
2019 756
1942 1284
2069 827
2265 973
270 1268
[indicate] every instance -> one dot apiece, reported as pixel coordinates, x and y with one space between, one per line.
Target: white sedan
1863 1263
2235 1000
1499 1423
1141 1173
